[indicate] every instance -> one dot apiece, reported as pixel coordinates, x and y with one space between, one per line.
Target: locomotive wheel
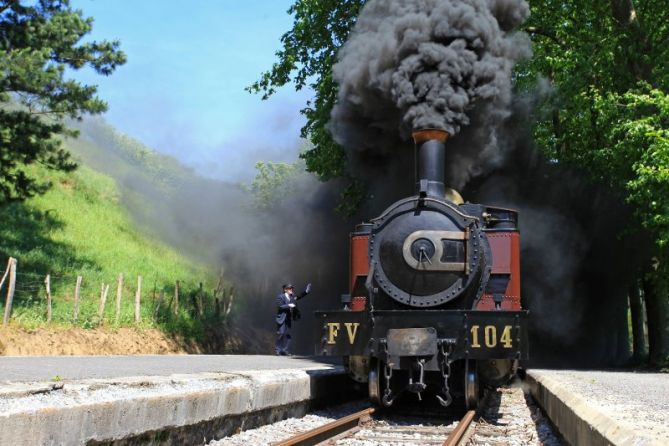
471 386
374 381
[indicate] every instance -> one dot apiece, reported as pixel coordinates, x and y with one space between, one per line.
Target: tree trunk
629 25
657 309
625 13
623 352
638 337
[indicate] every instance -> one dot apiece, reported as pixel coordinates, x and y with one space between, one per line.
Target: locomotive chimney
430 162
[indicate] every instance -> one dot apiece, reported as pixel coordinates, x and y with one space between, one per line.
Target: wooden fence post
160 302
77 295
10 290
119 293
138 296
47 284
103 300
201 300
176 298
9 266
228 306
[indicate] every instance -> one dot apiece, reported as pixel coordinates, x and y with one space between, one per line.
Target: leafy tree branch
38 42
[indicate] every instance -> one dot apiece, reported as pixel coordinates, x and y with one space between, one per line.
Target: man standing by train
287 311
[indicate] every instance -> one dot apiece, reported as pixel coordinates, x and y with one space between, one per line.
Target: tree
634 157
309 50
39 42
604 62
273 182
608 114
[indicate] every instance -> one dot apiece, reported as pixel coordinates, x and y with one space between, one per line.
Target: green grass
80 228
115 214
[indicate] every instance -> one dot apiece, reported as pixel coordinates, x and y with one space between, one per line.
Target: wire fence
34 298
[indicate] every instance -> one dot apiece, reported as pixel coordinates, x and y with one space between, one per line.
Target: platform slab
169 401
40 368
605 407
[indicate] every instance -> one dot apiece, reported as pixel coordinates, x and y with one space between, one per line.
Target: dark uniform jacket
285 314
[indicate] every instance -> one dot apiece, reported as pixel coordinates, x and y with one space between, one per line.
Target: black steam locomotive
434 303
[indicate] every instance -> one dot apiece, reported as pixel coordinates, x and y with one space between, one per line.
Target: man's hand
291 305
308 289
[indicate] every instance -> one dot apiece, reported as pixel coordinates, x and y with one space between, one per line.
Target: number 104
490 336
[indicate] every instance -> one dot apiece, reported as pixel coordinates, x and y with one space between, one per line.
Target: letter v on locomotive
333 331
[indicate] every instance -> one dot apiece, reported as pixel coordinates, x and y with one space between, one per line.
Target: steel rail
456 435
327 431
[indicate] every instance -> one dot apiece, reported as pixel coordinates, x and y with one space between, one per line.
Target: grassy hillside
163 197
88 224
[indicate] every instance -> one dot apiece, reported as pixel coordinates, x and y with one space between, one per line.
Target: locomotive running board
469 333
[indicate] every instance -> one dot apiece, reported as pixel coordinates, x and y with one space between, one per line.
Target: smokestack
430 161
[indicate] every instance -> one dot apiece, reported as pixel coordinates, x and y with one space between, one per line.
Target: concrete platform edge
579 422
178 409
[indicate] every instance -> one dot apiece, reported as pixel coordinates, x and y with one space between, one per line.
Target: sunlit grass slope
81 228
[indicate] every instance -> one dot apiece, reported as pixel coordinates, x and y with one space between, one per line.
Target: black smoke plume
447 64
414 64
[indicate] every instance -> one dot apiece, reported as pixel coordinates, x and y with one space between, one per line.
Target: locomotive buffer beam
472 335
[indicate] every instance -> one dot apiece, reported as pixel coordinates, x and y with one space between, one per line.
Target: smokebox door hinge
422 192
423 185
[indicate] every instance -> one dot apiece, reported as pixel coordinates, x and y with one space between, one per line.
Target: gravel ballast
270 433
509 418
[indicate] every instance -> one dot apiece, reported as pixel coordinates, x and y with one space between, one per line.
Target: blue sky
182 90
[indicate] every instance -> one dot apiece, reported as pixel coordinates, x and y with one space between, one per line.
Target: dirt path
16 341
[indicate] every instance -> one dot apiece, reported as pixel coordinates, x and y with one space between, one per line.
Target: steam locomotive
434 304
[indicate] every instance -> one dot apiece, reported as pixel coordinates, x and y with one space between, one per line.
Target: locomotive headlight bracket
431 260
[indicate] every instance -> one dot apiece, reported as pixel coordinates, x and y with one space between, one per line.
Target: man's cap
287 285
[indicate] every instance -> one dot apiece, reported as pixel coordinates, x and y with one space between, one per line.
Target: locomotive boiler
434 304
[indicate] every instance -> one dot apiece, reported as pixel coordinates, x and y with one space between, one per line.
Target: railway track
362 428
506 416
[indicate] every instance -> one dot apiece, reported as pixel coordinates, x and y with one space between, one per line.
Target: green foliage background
604 63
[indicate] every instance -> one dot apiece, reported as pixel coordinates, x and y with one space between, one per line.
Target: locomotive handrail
423 199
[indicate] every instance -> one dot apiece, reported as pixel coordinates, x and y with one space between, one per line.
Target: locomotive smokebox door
412 342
